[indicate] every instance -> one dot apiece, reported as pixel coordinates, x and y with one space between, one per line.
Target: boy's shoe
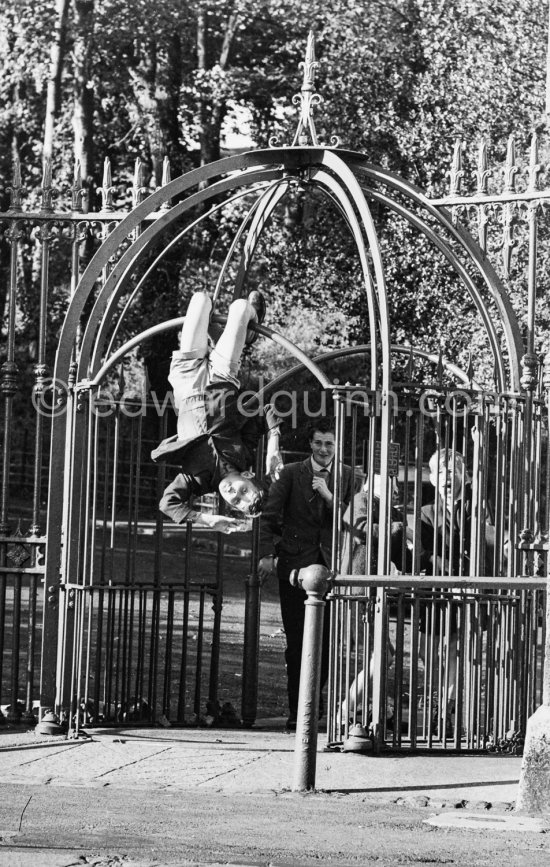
257 300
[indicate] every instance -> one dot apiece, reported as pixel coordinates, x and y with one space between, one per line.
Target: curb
438 804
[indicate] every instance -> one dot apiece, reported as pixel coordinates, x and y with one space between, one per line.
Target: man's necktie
323 473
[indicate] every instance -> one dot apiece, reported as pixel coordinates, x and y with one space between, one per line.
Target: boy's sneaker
257 300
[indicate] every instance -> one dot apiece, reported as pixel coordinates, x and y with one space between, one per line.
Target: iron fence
462 665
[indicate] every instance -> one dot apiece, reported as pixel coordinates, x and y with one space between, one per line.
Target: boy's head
322 441
241 491
448 480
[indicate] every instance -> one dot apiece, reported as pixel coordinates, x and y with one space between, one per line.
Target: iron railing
489 631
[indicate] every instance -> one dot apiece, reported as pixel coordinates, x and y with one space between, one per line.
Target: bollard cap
315 579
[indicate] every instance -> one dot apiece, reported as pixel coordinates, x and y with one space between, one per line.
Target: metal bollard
315 581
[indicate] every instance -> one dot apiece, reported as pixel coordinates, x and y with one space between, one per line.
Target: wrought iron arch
342 176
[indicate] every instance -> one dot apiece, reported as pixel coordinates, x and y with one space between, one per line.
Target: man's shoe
257 300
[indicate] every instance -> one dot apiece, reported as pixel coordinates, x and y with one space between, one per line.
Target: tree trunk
170 116
210 127
53 97
83 113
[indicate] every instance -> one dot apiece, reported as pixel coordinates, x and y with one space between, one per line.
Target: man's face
239 491
322 447
442 480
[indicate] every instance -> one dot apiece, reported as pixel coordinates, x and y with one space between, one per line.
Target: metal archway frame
337 173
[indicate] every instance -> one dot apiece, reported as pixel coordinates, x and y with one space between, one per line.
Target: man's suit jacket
296 522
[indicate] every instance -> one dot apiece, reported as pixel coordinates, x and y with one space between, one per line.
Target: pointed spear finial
139 190
535 168
456 173
166 172
305 131
165 180
510 169
107 188
16 188
77 192
482 173
309 64
46 188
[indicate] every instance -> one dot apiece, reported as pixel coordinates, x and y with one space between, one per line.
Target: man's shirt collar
317 468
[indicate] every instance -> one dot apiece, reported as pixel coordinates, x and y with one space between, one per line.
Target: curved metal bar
302 157
339 192
254 234
345 181
457 265
163 253
120 275
365 347
176 323
344 172
512 331
265 202
245 164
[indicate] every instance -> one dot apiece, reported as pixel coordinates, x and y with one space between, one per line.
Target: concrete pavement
251 760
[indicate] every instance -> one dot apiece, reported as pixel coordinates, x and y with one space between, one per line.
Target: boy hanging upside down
217 431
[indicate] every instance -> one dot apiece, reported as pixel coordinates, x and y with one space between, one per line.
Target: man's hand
320 487
273 463
223 524
266 568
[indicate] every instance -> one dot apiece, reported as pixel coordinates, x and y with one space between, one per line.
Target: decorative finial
482 173
166 178
535 167
510 169
139 190
16 187
78 193
107 188
46 188
306 133
457 172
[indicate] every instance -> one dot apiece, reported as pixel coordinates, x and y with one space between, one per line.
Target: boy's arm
273 457
261 420
175 504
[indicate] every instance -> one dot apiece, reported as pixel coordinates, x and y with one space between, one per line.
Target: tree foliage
400 80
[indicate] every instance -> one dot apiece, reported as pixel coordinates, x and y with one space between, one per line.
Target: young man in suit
296 529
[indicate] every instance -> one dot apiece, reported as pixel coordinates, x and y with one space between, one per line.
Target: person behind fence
217 431
362 518
296 526
445 527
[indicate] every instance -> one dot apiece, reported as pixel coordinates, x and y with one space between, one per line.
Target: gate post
315 581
